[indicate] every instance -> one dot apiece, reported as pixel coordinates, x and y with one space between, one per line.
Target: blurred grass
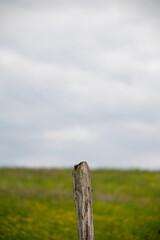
39 204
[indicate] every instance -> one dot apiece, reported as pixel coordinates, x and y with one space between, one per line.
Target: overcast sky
80 80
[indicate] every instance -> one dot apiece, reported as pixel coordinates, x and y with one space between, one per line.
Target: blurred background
80 81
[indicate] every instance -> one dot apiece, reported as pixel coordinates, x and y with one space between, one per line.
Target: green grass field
39 205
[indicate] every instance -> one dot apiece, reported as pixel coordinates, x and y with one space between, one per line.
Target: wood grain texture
83 201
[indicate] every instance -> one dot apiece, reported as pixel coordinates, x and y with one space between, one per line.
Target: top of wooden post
81 165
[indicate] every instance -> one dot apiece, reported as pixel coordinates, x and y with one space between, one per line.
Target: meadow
39 204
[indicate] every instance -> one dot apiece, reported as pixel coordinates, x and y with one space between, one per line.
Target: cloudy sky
80 80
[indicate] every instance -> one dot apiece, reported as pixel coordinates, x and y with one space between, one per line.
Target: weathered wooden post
83 201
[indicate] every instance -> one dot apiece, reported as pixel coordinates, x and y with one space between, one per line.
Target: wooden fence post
83 201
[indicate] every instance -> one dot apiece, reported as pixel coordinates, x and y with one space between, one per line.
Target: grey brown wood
83 201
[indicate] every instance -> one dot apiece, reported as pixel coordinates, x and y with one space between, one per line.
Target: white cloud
39 161
74 134
144 127
80 64
147 161
144 132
